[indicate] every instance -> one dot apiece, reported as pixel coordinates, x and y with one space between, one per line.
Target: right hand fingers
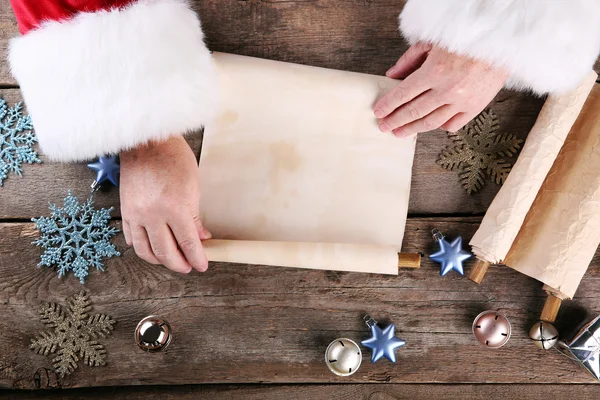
165 248
188 234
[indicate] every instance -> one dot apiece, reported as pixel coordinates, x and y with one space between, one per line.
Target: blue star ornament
451 256
107 169
383 343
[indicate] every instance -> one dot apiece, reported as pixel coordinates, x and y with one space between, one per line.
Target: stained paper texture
505 216
295 155
562 230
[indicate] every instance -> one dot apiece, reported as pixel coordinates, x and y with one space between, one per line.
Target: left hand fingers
188 240
428 123
127 233
411 111
410 61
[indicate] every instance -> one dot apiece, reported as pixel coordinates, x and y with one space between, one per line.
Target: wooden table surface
262 331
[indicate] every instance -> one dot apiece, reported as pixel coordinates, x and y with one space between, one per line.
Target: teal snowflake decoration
16 140
76 237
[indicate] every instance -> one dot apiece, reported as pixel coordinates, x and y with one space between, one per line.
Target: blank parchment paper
562 230
295 155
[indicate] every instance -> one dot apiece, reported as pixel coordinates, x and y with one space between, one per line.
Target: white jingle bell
544 335
343 357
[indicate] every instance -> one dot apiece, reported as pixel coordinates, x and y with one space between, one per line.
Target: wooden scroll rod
409 260
479 270
551 307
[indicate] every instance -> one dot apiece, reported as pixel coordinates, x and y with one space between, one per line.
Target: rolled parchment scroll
295 171
544 221
327 256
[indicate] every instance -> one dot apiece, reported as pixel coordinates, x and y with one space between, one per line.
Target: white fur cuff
548 46
107 81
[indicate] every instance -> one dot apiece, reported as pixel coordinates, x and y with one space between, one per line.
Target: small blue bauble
451 255
383 342
107 169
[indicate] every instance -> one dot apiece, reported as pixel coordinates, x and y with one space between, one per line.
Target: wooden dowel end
478 271
409 260
551 307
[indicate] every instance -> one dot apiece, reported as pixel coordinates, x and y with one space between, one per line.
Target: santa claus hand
440 89
160 198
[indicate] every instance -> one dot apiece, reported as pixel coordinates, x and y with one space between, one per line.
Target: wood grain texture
8 29
434 189
355 35
249 324
257 324
323 392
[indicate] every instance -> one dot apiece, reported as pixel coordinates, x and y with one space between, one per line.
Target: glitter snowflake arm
3 171
498 170
45 343
16 140
99 325
451 157
505 145
79 306
479 133
471 178
65 361
52 315
93 353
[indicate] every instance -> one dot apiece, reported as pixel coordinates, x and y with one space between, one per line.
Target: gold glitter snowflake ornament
479 150
72 335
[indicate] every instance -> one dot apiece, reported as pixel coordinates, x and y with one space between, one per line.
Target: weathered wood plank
353 35
247 324
434 190
323 392
8 29
346 34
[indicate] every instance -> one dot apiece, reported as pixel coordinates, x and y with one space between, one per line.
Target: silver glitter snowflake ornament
16 140
72 335
76 237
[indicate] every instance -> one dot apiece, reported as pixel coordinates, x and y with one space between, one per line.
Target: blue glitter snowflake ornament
76 237
16 140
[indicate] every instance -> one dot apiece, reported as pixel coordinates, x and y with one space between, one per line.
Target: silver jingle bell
153 333
544 335
492 329
343 357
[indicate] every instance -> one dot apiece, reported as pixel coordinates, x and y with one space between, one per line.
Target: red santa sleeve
101 76
548 46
